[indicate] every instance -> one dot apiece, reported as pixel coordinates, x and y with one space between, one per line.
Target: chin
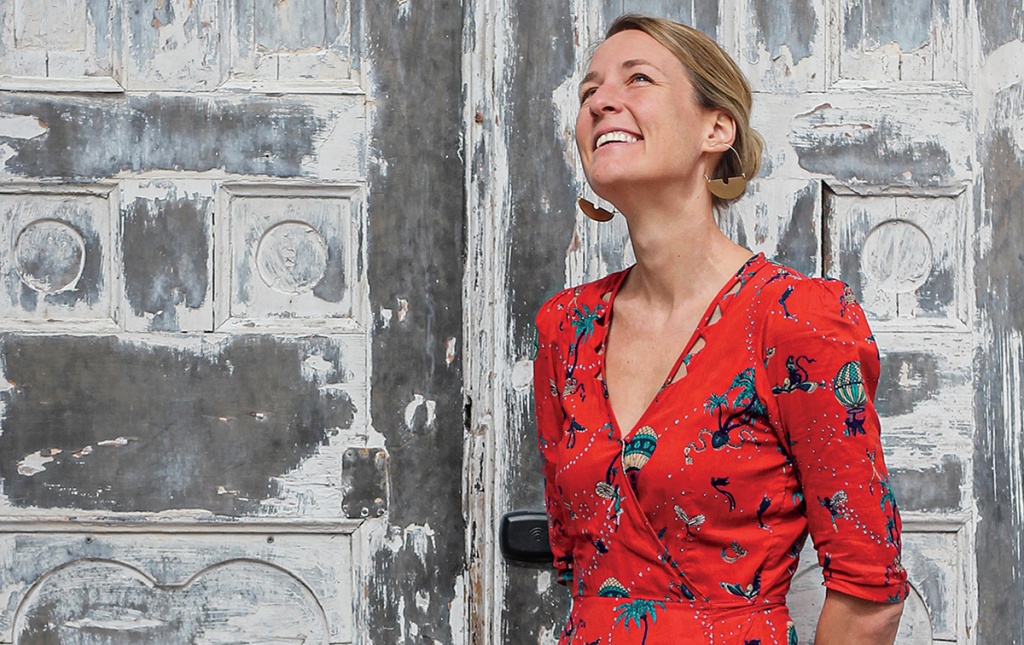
606 181
609 185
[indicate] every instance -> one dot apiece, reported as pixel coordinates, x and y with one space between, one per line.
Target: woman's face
639 126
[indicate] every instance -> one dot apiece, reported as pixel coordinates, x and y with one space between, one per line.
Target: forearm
846 620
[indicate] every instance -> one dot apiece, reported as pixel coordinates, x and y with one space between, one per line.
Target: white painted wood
487 320
286 47
59 45
174 45
291 585
49 235
284 245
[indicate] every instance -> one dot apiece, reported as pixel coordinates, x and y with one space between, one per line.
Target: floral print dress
686 529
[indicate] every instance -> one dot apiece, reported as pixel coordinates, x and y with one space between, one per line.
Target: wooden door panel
57 253
188 350
77 588
866 110
61 45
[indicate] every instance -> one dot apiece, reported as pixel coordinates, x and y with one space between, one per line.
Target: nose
604 100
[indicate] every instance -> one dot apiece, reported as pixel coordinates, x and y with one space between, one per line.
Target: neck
681 254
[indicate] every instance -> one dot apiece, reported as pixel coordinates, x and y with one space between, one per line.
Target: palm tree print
638 611
745 408
583 319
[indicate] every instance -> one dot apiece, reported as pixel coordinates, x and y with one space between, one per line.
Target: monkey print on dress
686 529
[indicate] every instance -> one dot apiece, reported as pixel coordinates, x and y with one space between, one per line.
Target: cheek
583 133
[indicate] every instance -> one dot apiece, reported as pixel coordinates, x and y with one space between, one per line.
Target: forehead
631 46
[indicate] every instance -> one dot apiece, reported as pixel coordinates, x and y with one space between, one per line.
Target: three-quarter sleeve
823 368
547 375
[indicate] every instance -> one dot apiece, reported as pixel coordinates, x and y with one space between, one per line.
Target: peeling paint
36 462
60 255
21 127
792 24
879 151
420 414
254 135
404 9
1001 23
907 24
932 490
450 346
541 61
909 378
522 375
86 599
414 263
798 245
235 418
999 449
166 246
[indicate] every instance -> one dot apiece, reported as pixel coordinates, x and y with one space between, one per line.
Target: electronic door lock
523 537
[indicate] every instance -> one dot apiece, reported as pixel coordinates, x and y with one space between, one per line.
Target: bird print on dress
689 522
733 552
836 506
750 591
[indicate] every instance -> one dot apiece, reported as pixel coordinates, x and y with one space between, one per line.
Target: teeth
618 136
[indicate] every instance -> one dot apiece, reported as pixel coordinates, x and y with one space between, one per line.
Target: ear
720 131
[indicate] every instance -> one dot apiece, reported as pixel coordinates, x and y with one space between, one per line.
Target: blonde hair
718 84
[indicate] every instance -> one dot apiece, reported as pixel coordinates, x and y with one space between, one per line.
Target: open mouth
616 136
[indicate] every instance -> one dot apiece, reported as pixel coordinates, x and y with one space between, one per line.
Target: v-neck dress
686 529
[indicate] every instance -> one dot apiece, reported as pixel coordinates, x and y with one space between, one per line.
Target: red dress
687 528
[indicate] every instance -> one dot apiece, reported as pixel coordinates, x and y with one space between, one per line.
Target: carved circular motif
292 257
49 256
897 255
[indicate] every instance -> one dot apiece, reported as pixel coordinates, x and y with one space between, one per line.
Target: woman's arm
846 620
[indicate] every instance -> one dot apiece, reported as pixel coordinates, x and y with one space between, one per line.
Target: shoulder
817 317
585 300
786 295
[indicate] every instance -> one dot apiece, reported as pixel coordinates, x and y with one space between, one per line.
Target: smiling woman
702 412
712 82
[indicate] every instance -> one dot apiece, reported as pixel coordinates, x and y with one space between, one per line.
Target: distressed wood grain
867 176
60 45
78 588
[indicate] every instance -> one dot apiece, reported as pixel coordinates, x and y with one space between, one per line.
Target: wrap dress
687 528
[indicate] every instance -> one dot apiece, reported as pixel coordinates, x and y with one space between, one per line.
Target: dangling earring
730 187
595 213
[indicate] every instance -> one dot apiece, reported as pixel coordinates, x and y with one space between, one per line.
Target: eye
585 94
640 78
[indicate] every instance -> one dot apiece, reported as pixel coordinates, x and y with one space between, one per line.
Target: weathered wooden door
231 322
893 161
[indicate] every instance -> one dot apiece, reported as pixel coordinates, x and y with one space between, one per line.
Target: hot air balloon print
638 451
612 588
851 392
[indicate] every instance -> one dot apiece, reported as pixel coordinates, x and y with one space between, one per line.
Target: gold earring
728 187
595 213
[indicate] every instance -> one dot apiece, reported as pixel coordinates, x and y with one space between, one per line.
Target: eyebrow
629 64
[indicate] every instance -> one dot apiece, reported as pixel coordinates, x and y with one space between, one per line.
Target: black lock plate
523 537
